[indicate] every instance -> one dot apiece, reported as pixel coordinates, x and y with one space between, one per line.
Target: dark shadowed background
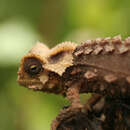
22 23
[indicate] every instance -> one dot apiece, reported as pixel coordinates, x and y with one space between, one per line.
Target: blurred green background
22 23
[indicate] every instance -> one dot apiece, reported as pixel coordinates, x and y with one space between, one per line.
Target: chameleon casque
100 66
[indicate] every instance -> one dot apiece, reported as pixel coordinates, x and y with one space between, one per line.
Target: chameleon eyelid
31 63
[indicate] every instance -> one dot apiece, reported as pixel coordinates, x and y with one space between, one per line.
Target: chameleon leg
74 97
92 101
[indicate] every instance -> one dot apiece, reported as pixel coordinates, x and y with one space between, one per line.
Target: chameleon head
42 68
32 73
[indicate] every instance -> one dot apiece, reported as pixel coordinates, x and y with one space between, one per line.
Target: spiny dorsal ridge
122 49
117 39
98 40
88 46
88 43
105 41
104 46
127 41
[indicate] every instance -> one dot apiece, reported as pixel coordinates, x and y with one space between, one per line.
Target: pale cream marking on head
66 61
64 46
44 78
36 86
40 49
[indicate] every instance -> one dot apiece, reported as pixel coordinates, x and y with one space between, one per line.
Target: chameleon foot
65 114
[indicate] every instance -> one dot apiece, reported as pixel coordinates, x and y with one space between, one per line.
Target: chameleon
97 66
41 69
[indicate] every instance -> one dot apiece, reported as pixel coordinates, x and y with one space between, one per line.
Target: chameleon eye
32 66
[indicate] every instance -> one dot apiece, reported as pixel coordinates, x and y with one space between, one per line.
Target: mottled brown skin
117 114
81 121
104 68
42 69
105 63
96 67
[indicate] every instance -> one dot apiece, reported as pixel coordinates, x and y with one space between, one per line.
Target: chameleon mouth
27 83
34 85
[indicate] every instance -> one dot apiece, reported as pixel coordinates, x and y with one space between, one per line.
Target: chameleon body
106 66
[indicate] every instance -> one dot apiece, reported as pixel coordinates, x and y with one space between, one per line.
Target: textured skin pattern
41 68
102 66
